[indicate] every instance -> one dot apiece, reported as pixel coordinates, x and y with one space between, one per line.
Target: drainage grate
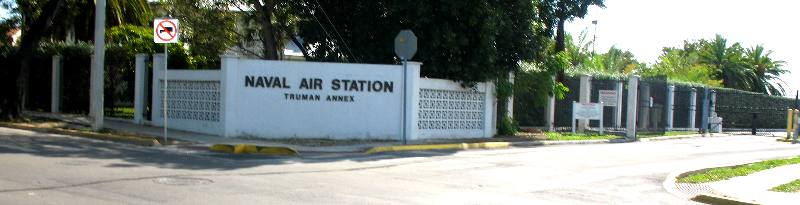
694 189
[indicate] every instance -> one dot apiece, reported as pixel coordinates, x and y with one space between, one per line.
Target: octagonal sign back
405 45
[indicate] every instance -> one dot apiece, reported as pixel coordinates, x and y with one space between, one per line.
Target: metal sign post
405 46
165 31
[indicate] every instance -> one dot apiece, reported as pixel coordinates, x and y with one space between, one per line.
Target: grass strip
578 136
724 173
793 186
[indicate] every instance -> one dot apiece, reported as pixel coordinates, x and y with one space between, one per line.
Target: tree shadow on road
78 150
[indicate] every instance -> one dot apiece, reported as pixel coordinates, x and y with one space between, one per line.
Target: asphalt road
38 168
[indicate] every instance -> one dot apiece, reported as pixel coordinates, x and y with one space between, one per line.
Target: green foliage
724 173
682 66
716 63
506 126
533 86
470 41
208 27
793 186
614 64
76 17
535 80
712 63
727 64
767 71
135 39
578 136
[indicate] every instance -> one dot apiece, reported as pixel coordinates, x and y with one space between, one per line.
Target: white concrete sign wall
284 99
289 99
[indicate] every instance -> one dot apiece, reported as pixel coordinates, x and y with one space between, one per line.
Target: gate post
692 107
789 123
412 101
139 88
55 88
669 106
644 113
796 126
753 124
633 84
550 111
618 108
705 111
585 97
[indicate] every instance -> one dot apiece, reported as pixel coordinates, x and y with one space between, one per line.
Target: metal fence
651 115
741 112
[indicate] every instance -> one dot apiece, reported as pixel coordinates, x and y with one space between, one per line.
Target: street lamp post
594 39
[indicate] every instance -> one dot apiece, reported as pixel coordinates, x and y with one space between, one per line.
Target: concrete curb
483 145
670 186
453 146
253 149
143 141
717 199
567 142
669 183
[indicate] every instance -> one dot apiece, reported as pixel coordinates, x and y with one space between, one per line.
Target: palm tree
766 71
76 21
727 64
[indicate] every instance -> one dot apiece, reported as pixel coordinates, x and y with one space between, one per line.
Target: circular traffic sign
166 30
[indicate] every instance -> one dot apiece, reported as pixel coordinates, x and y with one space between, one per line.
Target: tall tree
727 63
17 76
471 41
76 17
562 11
207 26
766 71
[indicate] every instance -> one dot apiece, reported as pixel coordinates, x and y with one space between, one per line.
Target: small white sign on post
608 98
165 31
589 111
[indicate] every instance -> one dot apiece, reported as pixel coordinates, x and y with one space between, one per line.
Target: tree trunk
300 46
560 35
267 32
15 92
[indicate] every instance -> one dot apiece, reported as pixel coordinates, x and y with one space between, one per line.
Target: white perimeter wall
194 99
223 102
449 110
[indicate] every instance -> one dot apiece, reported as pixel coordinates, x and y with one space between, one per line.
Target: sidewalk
336 146
755 187
203 139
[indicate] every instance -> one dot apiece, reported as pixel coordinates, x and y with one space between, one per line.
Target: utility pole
98 68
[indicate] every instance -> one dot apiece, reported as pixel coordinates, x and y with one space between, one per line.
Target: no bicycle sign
165 30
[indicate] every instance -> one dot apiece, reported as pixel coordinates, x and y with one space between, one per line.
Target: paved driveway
40 168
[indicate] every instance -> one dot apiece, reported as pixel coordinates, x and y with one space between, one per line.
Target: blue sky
646 26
